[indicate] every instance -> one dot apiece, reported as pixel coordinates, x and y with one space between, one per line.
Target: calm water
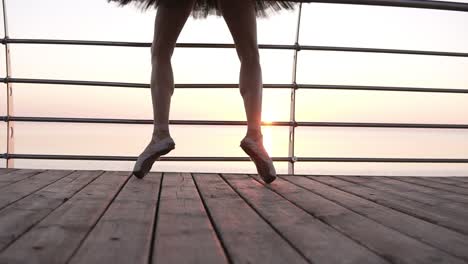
100 139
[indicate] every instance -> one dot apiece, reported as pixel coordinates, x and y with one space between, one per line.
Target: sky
321 24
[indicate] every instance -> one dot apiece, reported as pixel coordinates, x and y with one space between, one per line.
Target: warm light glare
269 113
268 139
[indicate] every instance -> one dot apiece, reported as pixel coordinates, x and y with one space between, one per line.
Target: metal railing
293 86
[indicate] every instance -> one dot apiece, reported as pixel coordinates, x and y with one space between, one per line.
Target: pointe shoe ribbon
150 154
260 157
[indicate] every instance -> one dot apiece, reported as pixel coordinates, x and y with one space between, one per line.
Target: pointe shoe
151 153
260 157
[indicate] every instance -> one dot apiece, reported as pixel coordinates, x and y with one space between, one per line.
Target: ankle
254 134
160 134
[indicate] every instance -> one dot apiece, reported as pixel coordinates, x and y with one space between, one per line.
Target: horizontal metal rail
135 121
128 158
231 86
424 4
396 160
279 159
231 46
230 123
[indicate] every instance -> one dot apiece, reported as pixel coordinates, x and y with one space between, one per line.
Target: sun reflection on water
268 139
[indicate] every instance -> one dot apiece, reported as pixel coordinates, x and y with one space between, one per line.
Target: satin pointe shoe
150 154
261 159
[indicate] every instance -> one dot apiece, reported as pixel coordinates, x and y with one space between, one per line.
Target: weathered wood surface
444 194
55 238
455 181
184 232
25 213
386 242
413 192
458 179
10 176
66 216
436 185
247 237
432 234
447 180
123 233
20 189
5 170
318 241
420 210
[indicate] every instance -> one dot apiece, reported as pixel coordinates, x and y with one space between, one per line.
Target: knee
161 53
249 55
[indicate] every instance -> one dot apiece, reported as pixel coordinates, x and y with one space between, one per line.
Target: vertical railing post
10 130
292 118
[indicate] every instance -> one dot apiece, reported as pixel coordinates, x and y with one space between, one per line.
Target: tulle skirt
204 8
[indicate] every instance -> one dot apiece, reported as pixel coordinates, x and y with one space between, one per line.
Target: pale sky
321 24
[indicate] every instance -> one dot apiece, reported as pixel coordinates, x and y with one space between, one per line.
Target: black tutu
203 8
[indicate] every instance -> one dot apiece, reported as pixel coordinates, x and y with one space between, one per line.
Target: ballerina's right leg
170 19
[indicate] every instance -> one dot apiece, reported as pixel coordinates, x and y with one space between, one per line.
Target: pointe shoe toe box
151 153
260 157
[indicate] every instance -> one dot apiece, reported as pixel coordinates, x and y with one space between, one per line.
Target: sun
268 116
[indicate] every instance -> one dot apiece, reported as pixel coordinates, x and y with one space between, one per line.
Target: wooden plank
459 198
124 232
318 242
386 242
183 225
460 179
397 202
245 235
56 237
434 235
440 196
446 180
18 190
6 170
435 185
25 213
412 192
16 176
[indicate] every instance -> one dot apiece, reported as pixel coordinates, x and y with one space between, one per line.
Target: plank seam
396 209
435 188
212 222
155 220
426 186
445 199
266 221
459 179
43 187
35 173
98 219
396 230
40 220
396 192
449 183
383 191
11 169
321 220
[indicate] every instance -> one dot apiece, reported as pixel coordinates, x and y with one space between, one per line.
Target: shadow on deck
67 216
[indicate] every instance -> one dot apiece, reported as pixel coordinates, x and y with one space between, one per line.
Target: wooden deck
66 216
